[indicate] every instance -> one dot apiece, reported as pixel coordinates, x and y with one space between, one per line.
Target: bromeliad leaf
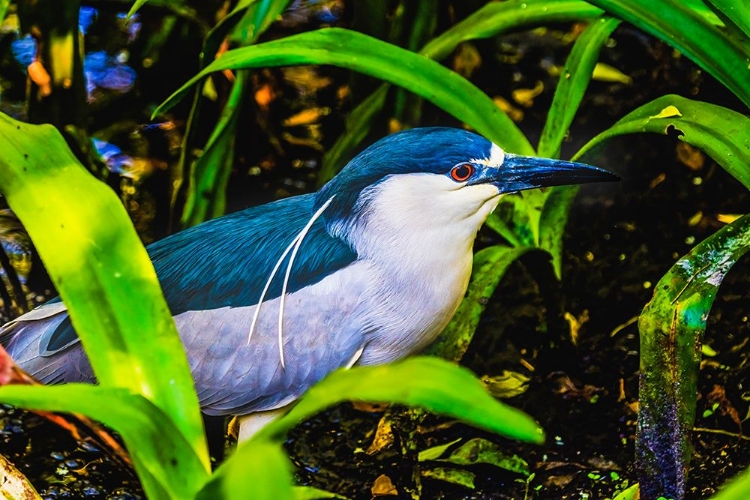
721 133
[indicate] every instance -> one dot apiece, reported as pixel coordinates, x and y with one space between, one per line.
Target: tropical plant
714 34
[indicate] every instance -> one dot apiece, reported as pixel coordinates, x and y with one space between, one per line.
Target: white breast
416 237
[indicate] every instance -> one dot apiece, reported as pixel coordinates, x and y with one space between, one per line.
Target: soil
621 238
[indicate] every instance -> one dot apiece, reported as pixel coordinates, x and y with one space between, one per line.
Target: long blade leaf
365 54
102 271
721 133
165 462
431 383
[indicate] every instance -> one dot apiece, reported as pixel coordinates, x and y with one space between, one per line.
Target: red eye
462 171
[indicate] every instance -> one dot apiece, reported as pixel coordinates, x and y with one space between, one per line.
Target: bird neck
418 225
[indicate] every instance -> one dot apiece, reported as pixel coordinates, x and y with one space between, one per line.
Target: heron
367 270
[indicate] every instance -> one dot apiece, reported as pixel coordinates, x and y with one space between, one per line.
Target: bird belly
235 372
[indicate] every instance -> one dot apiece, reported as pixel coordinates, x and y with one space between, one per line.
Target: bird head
436 177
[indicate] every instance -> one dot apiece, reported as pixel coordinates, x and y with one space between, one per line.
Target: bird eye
462 171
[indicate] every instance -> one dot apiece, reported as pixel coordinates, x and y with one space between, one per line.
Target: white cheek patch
496 159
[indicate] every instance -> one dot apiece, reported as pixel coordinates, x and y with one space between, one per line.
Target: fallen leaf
383 486
668 112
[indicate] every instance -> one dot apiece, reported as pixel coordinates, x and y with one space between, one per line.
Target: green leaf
491 20
431 383
256 19
310 493
209 175
357 126
498 17
574 80
482 451
136 5
259 470
552 223
671 330
517 217
737 489
436 451
721 133
674 22
489 267
368 55
734 14
102 271
460 477
4 4
166 464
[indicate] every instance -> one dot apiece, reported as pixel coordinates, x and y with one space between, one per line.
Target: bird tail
29 341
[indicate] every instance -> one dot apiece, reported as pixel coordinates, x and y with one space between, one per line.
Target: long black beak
527 172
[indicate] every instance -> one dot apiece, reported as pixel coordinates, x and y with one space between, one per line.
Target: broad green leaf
460 477
734 14
498 17
482 451
737 489
490 265
721 133
259 470
166 464
431 383
492 19
436 451
574 80
674 22
310 493
368 55
102 271
631 493
671 329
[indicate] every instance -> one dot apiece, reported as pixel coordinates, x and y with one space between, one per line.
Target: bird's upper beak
527 172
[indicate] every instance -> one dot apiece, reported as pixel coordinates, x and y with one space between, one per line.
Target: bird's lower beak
527 172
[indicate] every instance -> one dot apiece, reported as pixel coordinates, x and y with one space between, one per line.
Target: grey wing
234 377
26 339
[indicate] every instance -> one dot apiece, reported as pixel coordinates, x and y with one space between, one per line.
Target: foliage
714 34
